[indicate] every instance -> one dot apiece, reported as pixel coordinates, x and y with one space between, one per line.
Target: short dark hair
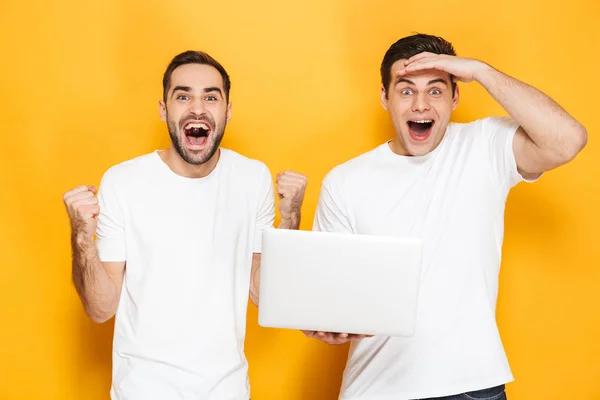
194 57
410 46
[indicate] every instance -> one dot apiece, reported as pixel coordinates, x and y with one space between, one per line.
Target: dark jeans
495 393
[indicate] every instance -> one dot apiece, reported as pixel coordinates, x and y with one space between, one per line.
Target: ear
384 99
455 98
228 112
162 110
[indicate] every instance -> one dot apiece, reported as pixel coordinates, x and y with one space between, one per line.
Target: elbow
99 316
254 296
581 139
254 301
577 141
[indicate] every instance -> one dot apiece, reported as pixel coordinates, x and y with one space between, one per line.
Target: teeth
201 126
423 121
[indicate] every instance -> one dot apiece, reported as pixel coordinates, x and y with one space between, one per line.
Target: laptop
339 282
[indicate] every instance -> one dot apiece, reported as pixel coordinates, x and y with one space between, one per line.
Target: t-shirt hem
434 393
114 396
509 148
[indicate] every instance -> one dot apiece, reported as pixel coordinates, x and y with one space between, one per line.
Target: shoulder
358 167
130 169
243 165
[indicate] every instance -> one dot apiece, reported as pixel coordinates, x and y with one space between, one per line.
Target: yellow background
79 85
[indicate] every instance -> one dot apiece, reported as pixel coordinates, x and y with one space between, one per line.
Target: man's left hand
290 189
461 69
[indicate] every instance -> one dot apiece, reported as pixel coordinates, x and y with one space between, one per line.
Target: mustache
203 118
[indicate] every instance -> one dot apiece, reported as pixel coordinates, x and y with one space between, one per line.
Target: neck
185 169
397 148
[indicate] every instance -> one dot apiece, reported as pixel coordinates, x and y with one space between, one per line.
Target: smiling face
420 106
196 111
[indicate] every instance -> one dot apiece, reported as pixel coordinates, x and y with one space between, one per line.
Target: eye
182 97
435 92
406 92
211 97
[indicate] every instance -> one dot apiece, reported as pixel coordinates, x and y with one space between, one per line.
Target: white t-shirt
188 244
453 199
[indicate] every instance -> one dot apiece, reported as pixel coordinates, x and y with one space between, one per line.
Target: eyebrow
431 82
212 89
189 89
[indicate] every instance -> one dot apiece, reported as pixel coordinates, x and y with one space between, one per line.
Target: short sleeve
330 215
266 208
110 236
499 132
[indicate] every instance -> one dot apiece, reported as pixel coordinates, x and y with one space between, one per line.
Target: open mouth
196 133
420 129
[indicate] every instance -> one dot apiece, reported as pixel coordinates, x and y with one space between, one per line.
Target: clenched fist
290 189
82 206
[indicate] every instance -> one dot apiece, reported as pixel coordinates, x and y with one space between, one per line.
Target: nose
420 103
197 107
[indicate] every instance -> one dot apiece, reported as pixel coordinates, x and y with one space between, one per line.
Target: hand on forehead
421 78
196 78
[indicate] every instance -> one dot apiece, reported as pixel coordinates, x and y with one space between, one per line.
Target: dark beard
185 155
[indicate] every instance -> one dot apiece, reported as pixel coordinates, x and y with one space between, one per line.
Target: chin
414 148
421 148
419 152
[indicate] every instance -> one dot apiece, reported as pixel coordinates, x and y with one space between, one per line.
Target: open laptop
339 282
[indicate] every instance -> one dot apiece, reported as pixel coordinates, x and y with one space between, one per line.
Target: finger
88 212
281 191
425 58
292 181
289 173
88 201
95 211
418 65
343 336
423 65
358 337
72 192
417 57
411 68
92 189
331 338
340 340
81 195
290 187
292 175
78 197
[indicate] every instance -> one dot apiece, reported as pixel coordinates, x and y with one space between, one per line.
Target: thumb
280 192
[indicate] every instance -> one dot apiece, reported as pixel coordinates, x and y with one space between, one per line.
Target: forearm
287 222
98 292
546 123
255 279
291 221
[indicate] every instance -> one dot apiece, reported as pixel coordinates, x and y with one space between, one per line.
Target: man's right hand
333 337
82 206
